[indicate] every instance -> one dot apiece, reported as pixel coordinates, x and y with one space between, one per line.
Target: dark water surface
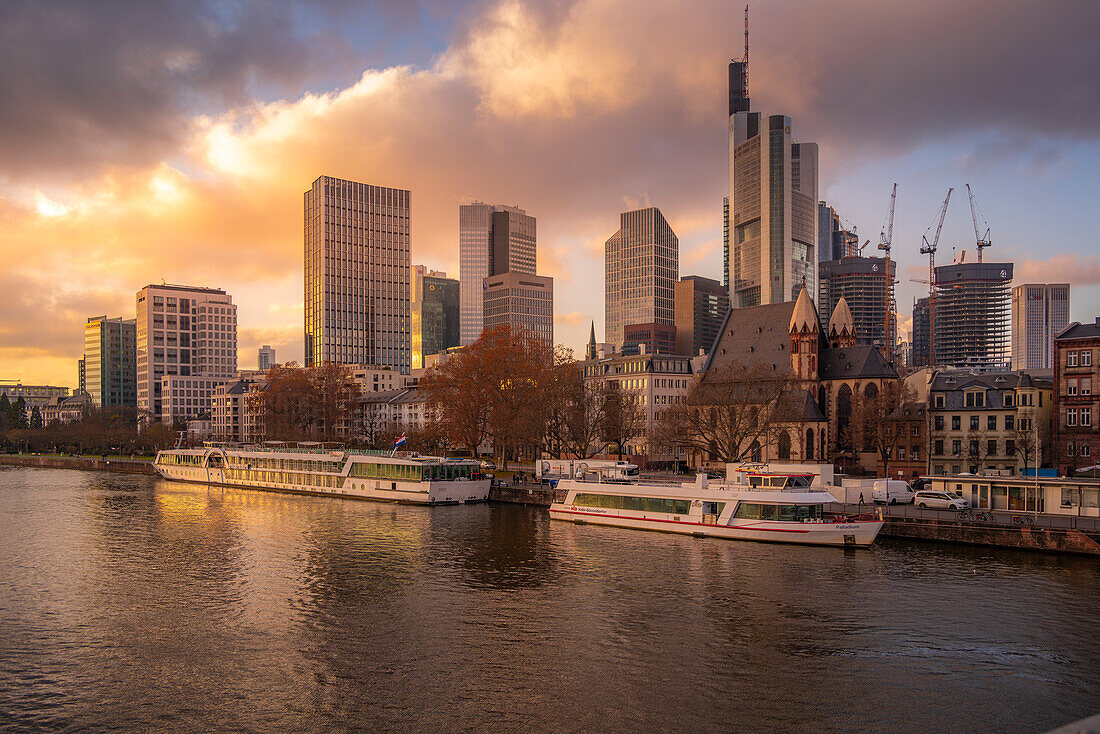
129 603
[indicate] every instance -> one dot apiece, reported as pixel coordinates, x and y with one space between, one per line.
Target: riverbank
82 463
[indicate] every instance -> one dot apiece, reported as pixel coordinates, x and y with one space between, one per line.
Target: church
828 368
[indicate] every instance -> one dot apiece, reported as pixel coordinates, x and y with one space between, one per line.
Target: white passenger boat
410 478
752 505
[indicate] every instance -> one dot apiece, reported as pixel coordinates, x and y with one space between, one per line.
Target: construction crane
983 241
929 249
886 239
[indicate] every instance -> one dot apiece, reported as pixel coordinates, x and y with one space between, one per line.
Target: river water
130 603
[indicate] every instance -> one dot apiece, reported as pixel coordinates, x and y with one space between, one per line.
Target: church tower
842 327
804 337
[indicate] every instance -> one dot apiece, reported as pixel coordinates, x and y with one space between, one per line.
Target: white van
892 492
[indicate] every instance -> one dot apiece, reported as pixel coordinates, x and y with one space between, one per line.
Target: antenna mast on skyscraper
745 61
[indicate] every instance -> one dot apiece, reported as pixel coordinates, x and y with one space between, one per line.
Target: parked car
940 500
891 492
488 465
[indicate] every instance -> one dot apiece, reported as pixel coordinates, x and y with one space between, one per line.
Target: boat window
756 481
636 504
786 513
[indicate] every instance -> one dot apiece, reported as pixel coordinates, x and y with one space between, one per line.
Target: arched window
843 415
809 444
784 446
823 443
870 391
754 451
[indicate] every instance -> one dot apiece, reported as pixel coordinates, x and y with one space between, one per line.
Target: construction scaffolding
867 289
972 325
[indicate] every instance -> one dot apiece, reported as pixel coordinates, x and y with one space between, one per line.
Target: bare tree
878 422
623 420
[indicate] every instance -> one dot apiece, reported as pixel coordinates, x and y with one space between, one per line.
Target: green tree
36 419
19 413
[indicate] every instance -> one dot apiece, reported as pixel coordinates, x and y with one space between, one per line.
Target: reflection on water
129 603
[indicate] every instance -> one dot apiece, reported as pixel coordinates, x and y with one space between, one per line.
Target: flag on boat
400 441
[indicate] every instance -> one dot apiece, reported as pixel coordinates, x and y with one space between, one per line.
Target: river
130 603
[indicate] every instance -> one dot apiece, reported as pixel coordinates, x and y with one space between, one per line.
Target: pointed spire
804 317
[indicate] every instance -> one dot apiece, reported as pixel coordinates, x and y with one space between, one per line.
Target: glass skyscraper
1039 312
434 313
642 262
357 268
110 361
492 240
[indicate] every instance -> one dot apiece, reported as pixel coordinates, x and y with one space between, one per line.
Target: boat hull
859 534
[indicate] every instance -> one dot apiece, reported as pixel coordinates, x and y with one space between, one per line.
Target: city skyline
207 189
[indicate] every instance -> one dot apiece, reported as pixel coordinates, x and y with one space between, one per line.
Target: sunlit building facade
521 301
642 264
110 361
492 239
356 274
1039 312
434 313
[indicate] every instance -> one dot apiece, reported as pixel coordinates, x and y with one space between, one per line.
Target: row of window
785 513
1079 417
1081 358
975 423
637 504
974 448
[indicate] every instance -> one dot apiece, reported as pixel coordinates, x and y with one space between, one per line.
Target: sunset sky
144 141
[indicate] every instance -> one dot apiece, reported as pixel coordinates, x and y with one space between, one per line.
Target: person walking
861 499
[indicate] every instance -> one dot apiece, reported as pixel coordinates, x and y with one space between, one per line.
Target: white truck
578 468
891 492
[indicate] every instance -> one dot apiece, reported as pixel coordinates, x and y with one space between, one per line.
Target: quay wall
1023 538
537 496
85 463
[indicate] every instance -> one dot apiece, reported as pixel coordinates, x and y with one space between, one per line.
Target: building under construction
862 282
920 332
971 315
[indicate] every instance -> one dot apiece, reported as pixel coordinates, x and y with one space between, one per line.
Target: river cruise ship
409 478
751 505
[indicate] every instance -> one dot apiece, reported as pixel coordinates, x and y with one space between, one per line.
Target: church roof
753 336
841 318
810 412
805 315
862 361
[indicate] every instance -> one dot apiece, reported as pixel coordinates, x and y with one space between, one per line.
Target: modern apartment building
971 314
521 301
1077 397
265 358
183 332
110 362
642 265
1040 311
701 305
434 315
356 274
864 283
492 239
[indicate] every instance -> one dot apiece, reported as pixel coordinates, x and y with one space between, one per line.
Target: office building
356 274
110 362
265 358
970 317
642 264
33 395
701 304
81 379
434 313
1040 311
183 333
492 240
921 333
521 301
834 240
726 245
649 339
864 282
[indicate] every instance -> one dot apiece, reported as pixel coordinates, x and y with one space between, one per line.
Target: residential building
265 358
642 262
110 362
520 301
434 313
33 395
700 305
356 274
184 332
922 333
970 315
649 339
493 239
866 284
381 415
65 410
909 458
653 382
1040 311
987 421
1076 402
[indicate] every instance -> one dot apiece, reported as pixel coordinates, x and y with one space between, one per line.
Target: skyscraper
186 346
863 282
492 240
356 274
772 202
110 359
1039 312
921 333
265 358
834 240
521 301
642 262
701 305
435 323
971 315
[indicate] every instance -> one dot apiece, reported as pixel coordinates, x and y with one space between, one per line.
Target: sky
144 141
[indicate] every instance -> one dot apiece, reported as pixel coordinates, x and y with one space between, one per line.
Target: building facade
110 362
971 314
1040 311
922 333
265 358
182 332
228 411
649 339
866 284
185 398
356 274
701 304
834 240
642 265
435 313
65 410
492 239
521 301
33 395
1077 397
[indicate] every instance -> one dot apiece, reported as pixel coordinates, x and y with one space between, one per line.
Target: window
1086 450
901 453
991 448
956 423
1010 447
975 399
1086 386
1010 421
956 447
939 447
916 431
1071 359
973 448
915 453
939 400
1009 398
1086 417
1086 359
1071 386
991 423
939 422
1070 449
973 423
1071 416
